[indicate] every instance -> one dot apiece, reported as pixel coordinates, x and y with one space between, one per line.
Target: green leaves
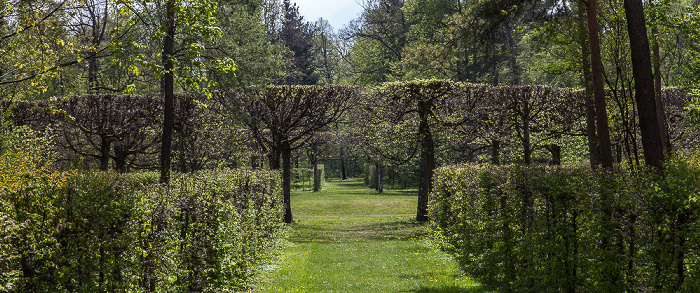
541 229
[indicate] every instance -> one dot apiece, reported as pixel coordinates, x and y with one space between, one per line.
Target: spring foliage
89 232
544 229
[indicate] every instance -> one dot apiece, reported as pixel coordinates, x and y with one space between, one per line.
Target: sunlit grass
349 238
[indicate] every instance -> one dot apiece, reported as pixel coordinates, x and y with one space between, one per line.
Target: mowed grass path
349 238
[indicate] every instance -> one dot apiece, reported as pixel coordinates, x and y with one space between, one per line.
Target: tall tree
603 131
298 35
183 28
644 85
379 38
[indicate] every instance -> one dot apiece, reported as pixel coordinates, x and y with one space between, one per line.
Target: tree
644 85
297 35
285 118
34 46
379 38
328 54
603 132
190 25
260 59
415 108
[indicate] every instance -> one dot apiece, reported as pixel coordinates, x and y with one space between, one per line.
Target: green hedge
548 229
104 232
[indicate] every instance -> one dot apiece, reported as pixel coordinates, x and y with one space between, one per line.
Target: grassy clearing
348 238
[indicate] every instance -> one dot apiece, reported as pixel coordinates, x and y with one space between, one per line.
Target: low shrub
543 229
106 232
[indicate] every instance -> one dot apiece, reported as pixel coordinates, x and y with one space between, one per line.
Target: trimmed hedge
105 232
552 229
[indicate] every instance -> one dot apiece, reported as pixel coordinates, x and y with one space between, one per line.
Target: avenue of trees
408 87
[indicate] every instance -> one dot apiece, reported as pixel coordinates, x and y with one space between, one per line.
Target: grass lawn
348 238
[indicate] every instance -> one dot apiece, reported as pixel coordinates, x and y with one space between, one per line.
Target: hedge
106 232
570 229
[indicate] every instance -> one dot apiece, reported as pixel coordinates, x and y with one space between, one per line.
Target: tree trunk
593 151
555 150
496 152
644 84
604 146
661 111
119 158
380 178
343 173
105 147
317 177
168 94
287 181
527 147
276 154
427 165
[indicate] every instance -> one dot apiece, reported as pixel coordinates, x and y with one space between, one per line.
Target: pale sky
338 12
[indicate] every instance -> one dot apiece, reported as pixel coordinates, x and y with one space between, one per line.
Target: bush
543 229
97 232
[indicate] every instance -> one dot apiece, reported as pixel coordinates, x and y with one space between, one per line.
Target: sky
338 12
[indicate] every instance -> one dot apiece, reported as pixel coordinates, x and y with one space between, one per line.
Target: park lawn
349 238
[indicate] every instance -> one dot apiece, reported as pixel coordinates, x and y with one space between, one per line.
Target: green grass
348 238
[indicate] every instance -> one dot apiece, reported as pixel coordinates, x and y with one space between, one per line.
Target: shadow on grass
396 230
451 289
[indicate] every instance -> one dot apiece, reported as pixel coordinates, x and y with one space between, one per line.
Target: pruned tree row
423 123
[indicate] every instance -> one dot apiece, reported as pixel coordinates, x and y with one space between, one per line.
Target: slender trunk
515 67
380 178
105 146
527 148
168 94
496 152
644 84
287 181
604 146
317 177
661 111
343 174
427 165
593 151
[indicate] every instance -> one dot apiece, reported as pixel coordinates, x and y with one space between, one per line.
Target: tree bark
168 94
593 151
527 147
496 152
644 84
287 181
604 145
555 150
343 174
105 147
661 111
317 177
427 164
